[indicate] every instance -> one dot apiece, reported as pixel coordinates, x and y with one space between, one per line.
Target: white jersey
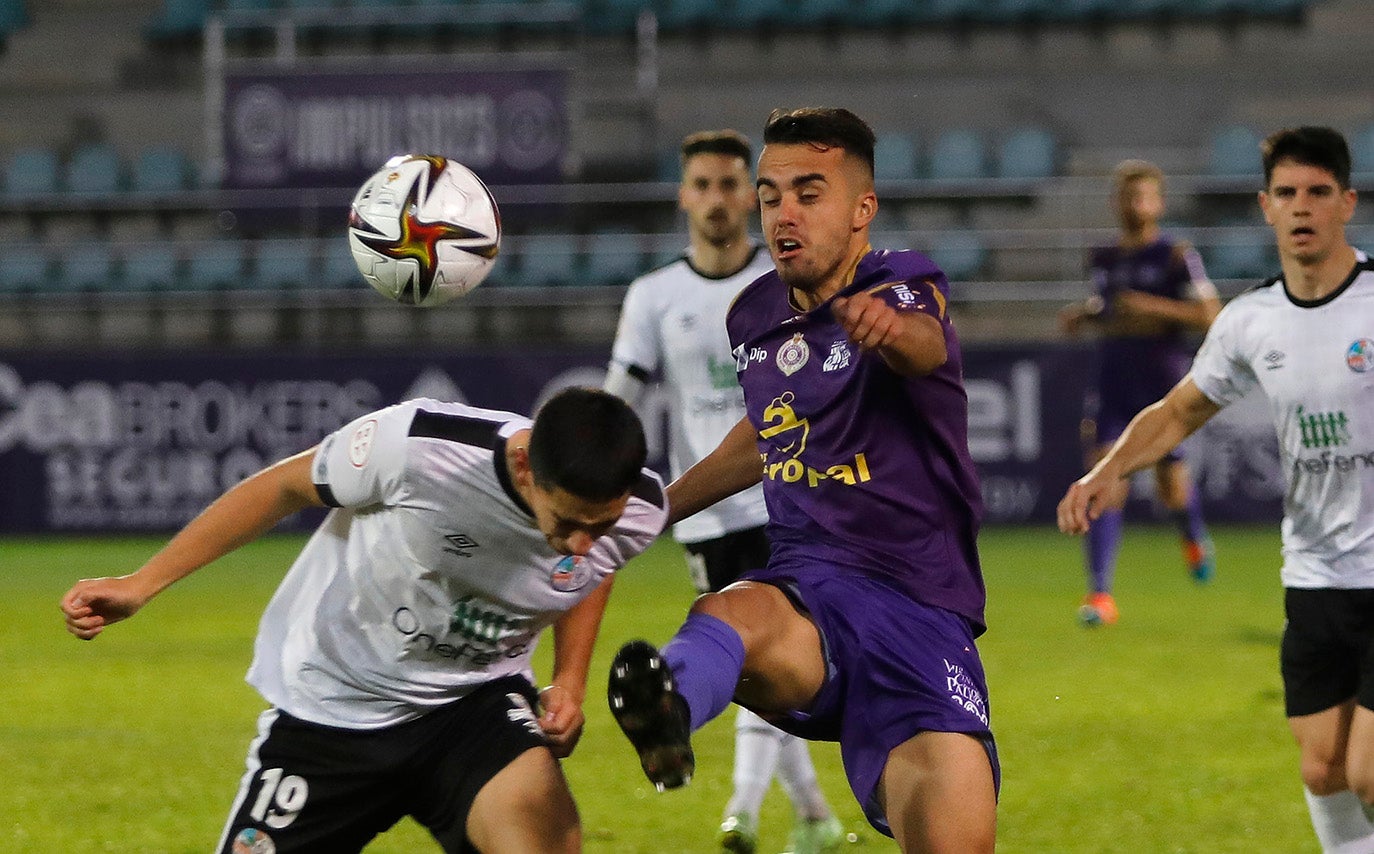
1315 362
431 577
673 322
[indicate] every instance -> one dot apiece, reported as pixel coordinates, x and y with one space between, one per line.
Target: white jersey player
1307 339
398 647
673 324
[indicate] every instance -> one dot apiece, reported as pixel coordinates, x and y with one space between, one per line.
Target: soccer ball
424 230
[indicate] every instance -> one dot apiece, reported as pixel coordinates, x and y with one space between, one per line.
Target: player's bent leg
646 704
526 807
1322 740
783 663
1359 755
938 795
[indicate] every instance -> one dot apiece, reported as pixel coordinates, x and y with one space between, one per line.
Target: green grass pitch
1164 733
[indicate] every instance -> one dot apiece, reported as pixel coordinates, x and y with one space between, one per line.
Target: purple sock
1101 544
706 657
1189 519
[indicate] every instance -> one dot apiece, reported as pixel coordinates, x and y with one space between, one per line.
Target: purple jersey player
861 628
1148 291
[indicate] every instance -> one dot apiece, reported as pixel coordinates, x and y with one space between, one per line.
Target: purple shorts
894 668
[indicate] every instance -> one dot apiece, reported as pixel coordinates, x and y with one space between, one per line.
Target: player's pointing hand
868 321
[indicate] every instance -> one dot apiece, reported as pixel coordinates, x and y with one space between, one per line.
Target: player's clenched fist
869 321
94 603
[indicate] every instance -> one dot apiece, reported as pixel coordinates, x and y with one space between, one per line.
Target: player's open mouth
787 247
1303 231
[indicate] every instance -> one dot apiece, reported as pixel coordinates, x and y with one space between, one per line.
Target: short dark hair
588 443
1309 145
731 143
833 127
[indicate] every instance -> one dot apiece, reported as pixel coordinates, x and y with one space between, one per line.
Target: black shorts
717 563
1326 653
312 788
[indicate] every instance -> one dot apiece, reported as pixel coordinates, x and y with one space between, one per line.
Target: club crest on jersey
793 355
360 444
571 573
1359 356
250 840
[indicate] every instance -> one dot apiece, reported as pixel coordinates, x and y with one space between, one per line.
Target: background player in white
396 653
673 323
1306 338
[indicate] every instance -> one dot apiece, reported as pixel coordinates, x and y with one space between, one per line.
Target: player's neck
719 260
1134 238
1315 280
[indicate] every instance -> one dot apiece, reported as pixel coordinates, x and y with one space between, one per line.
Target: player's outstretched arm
733 466
241 515
911 343
574 637
1155 431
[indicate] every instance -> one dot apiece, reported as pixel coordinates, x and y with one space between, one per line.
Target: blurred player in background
1149 291
673 323
1306 337
396 653
861 627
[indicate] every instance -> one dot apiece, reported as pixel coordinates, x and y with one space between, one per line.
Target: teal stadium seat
960 254
1243 252
338 270
1362 150
85 267
161 169
1235 153
217 265
762 13
149 268
1027 153
179 19
894 156
614 258
958 155
24 269
665 250
285 264
31 172
688 14
946 11
13 16
549 259
94 169
613 16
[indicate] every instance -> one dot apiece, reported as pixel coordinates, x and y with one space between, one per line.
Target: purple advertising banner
143 442
334 128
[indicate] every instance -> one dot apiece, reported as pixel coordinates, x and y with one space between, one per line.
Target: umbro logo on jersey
1273 360
460 544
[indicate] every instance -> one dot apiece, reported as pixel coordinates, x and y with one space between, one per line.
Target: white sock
756 757
1340 822
798 778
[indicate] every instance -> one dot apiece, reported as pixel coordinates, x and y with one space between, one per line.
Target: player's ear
520 472
865 208
1264 206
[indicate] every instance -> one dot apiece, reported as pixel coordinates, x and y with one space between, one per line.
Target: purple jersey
1136 370
862 467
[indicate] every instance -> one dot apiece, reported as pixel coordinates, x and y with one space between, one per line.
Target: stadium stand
895 156
86 267
958 155
161 169
1029 152
1234 152
94 169
150 268
26 269
31 172
218 265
